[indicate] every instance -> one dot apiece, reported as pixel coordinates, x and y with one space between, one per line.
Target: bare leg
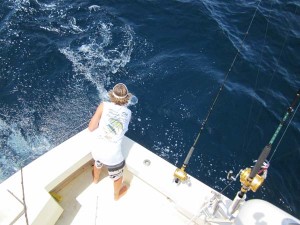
96 174
119 189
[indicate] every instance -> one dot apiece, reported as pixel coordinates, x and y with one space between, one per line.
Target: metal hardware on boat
147 162
238 200
214 203
230 175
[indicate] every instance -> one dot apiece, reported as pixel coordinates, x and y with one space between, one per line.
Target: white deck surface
88 203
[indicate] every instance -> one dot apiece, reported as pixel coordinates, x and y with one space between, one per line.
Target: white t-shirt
108 136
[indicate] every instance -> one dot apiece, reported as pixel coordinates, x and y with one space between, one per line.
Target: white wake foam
96 62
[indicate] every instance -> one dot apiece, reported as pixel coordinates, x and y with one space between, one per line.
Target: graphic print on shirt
114 126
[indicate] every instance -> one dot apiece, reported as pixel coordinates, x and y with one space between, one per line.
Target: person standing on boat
108 126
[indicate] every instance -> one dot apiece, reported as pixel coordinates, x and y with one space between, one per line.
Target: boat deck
87 203
152 198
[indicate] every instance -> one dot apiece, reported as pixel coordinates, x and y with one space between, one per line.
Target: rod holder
236 203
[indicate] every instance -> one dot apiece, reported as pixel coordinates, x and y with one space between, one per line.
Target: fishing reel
254 183
251 179
180 176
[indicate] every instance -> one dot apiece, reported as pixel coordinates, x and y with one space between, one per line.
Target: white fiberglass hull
153 196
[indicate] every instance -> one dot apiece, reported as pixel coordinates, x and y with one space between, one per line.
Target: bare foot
122 192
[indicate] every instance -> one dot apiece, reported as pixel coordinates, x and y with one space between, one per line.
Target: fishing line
285 128
269 85
180 174
225 79
72 131
257 74
284 133
228 185
21 163
133 101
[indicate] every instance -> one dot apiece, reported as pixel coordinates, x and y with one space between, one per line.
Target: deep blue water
58 59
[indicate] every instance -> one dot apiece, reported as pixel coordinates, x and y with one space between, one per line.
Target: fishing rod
180 175
252 179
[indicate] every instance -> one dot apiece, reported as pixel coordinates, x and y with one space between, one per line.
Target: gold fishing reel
180 175
254 183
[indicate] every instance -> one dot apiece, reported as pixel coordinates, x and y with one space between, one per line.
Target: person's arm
94 123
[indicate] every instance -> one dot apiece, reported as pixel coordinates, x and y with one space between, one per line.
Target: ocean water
59 58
